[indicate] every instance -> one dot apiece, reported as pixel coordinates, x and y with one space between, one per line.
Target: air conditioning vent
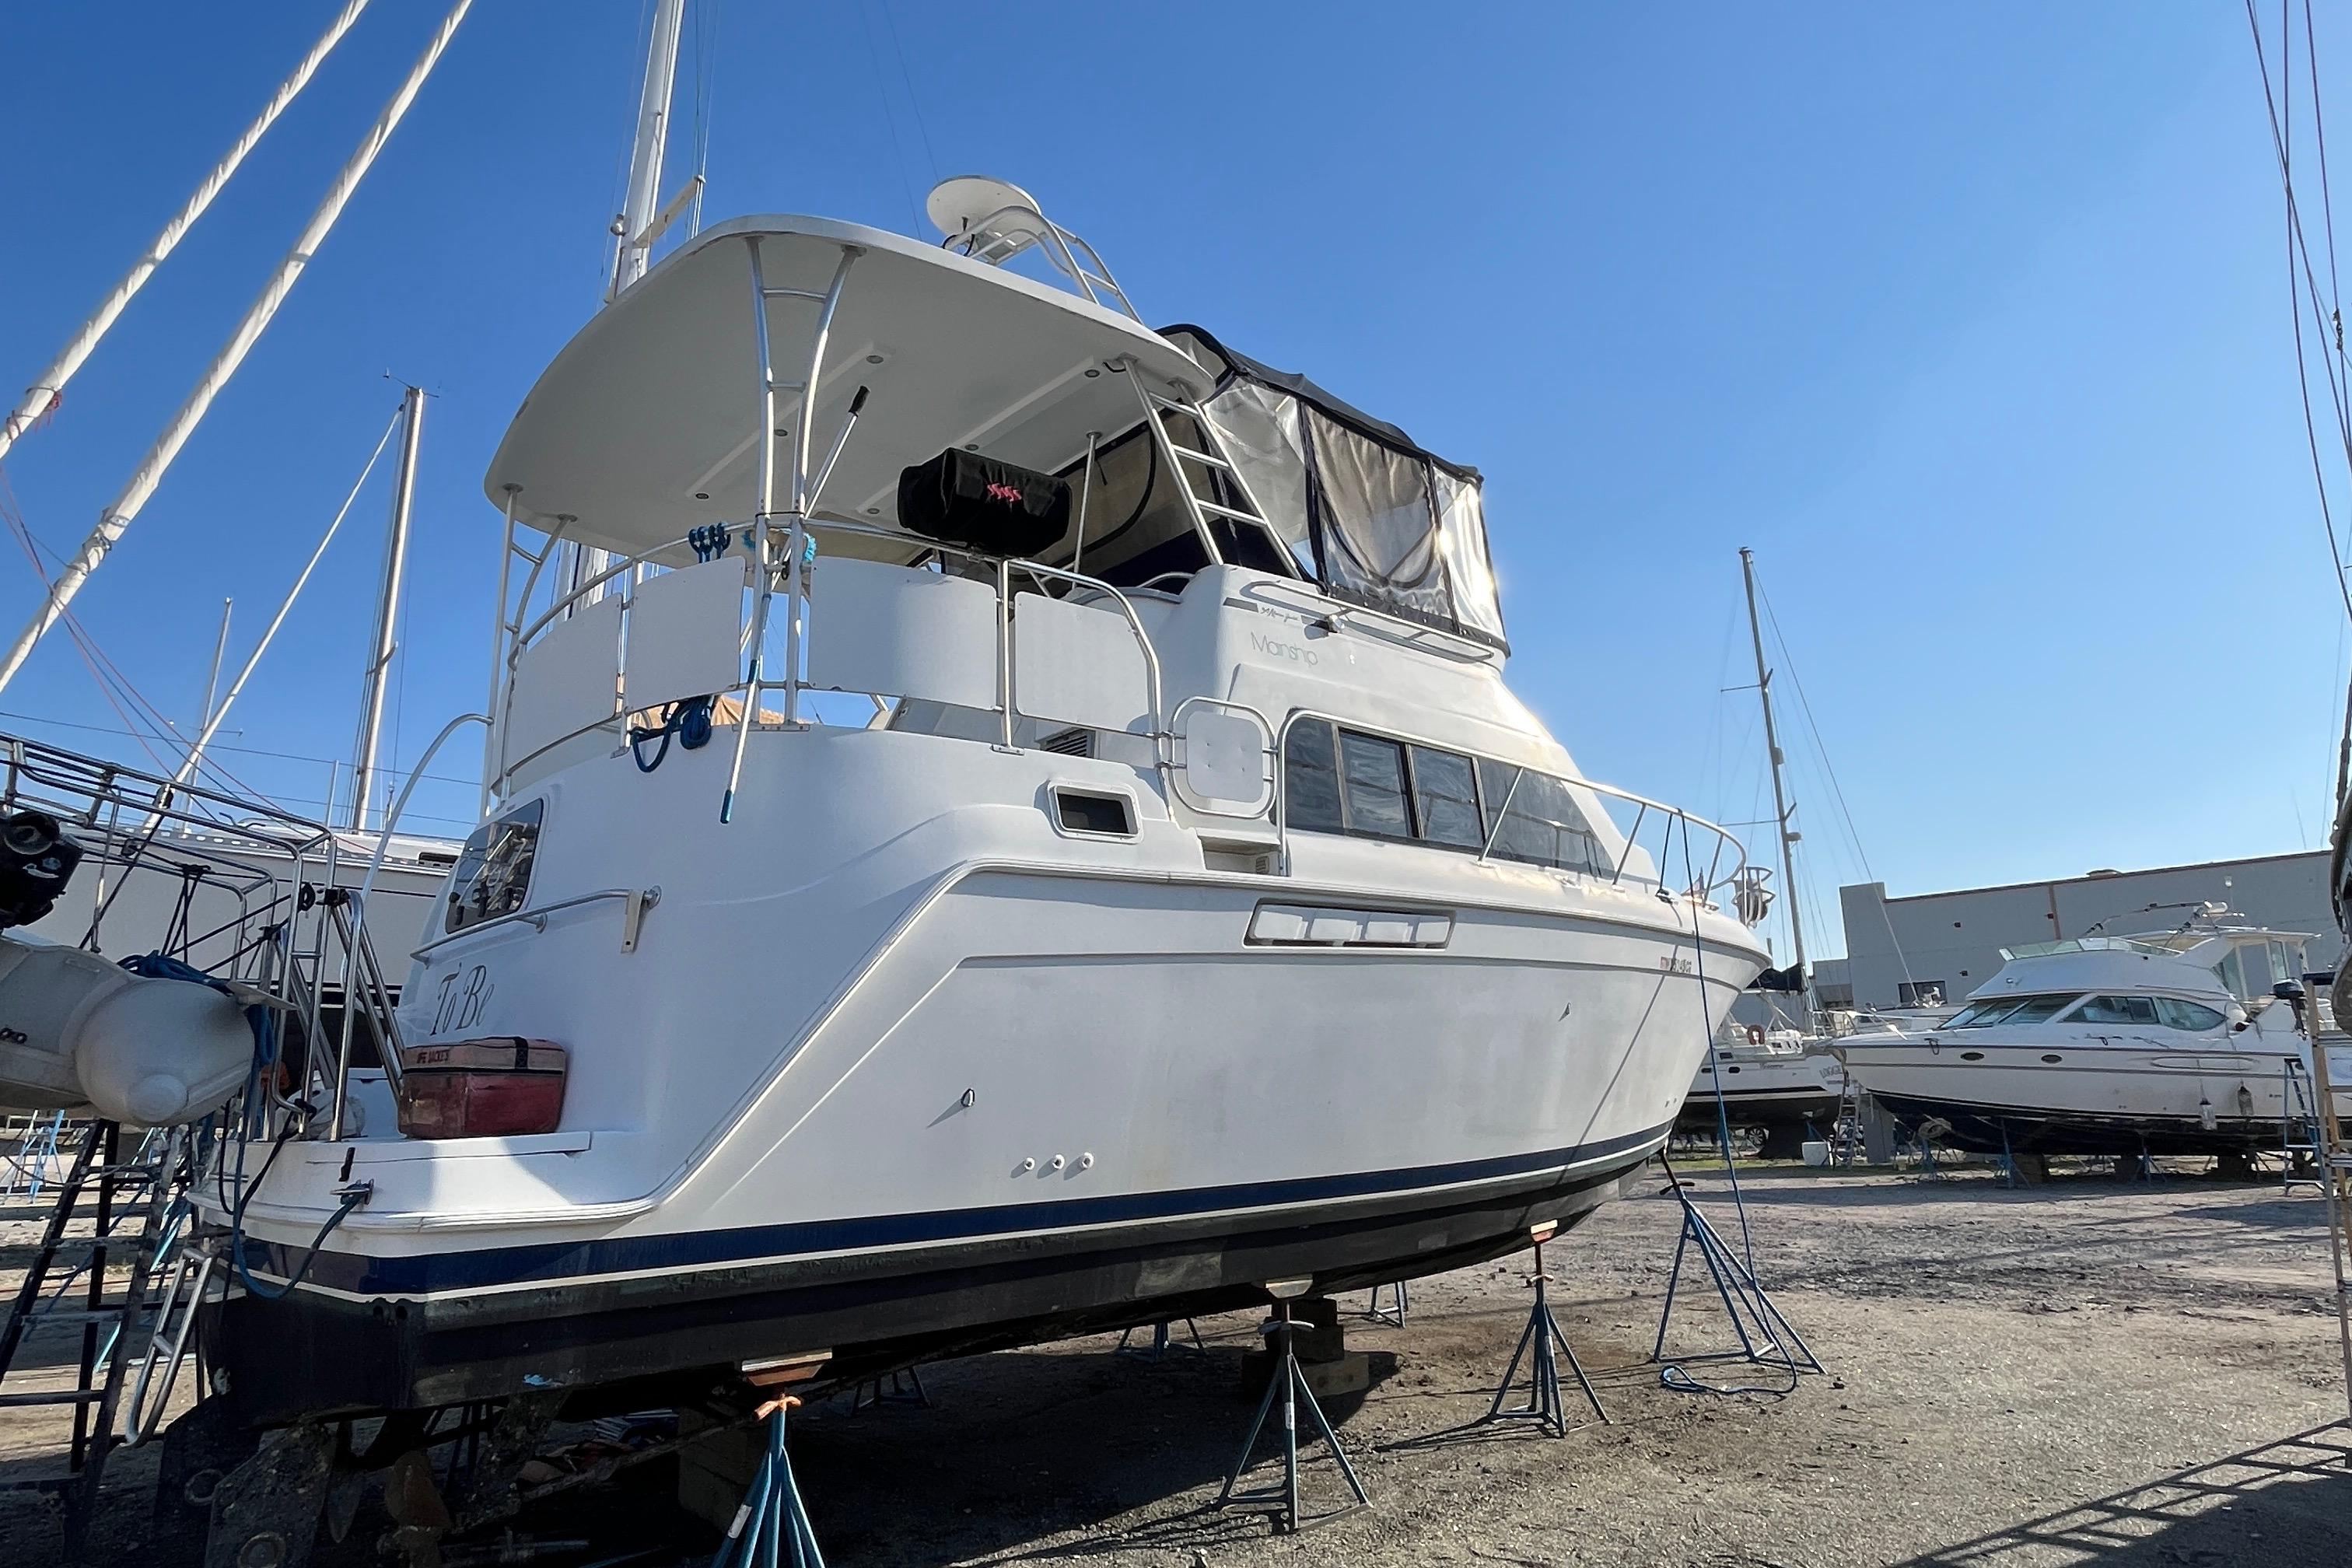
1069 742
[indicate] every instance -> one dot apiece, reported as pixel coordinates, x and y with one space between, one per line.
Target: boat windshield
2150 944
2038 1009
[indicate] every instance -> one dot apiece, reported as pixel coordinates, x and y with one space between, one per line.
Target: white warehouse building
1899 949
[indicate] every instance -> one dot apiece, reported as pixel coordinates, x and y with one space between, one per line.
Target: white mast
116 520
216 715
387 608
1787 835
638 226
42 395
636 229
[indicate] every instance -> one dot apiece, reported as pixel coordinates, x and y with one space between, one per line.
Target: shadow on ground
2286 1504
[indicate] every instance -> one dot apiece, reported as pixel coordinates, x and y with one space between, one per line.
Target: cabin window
2231 972
493 873
2114 1010
1534 818
2009 1010
1445 798
2175 1014
1372 793
1311 777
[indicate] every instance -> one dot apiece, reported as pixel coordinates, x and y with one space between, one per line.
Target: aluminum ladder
1223 482
2336 1192
108 1323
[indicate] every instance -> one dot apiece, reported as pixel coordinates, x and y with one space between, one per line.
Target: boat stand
904 1386
1288 1381
1545 1406
771 1528
1394 1318
1163 1340
1766 1338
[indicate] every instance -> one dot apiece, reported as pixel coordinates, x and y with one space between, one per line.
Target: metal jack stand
1395 1318
771 1528
1545 1405
1281 1500
905 1387
1162 1341
1766 1338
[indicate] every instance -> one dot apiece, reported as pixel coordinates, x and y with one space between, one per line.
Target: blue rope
1707 1017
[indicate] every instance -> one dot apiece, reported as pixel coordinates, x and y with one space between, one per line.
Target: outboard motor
36 862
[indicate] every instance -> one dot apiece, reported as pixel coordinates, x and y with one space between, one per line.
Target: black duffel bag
962 498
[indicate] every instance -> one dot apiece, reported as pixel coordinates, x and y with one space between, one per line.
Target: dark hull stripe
490 1268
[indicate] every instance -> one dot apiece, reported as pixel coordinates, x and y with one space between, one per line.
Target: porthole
1735 1069
1971 1056
2052 1057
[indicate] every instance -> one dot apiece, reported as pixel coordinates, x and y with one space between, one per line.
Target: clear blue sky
1970 319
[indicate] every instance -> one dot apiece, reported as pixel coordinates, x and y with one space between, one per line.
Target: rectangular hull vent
1075 743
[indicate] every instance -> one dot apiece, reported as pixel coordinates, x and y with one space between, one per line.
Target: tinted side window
492 875
1541 824
2116 1010
1444 798
1373 789
1311 777
2174 1014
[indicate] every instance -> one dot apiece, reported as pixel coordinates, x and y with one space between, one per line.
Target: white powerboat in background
1775 1081
1022 830
2111 1045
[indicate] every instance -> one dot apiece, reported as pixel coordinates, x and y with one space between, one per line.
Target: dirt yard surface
2140 1375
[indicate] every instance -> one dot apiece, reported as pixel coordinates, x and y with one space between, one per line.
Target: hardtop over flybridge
1004 823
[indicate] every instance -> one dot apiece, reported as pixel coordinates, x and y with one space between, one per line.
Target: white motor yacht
2158 1044
1021 829
1776 1081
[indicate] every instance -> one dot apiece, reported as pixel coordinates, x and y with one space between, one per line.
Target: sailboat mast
1779 792
49 386
637 211
387 609
116 520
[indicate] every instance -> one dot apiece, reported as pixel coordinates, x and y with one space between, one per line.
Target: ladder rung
54 1396
1228 512
1211 459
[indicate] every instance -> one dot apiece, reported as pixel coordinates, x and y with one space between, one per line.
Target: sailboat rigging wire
245 672
889 116
42 397
908 78
116 520
1837 790
2296 247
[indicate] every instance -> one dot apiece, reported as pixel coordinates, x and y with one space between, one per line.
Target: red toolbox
500 1087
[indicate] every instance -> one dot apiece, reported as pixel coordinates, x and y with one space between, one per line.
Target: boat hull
2066 1097
871 1090
683 1329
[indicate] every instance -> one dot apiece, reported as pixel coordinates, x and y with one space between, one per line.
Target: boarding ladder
1205 477
2301 1153
2336 1190
83 1243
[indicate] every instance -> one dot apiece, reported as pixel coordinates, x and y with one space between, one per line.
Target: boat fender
165 1049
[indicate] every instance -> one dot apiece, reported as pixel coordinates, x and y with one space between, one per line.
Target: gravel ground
2087 1372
